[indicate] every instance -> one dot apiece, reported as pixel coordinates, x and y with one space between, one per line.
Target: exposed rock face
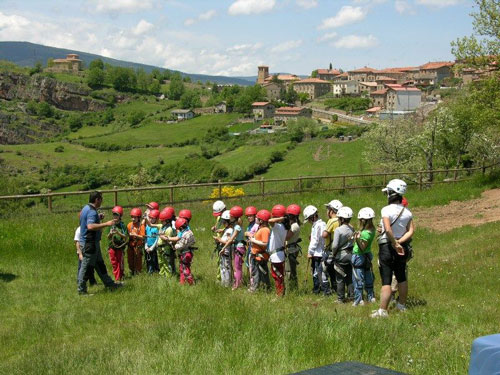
19 128
62 95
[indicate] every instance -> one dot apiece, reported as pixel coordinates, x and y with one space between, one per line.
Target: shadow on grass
7 277
414 302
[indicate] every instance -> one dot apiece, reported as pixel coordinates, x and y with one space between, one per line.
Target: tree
96 64
303 97
291 95
331 67
95 77
314 74
50 62
484 43
155 87
176 88
275 79
190 99
122 79
36 69
143 79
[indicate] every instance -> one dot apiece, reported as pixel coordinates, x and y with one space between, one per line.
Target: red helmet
153 206
236 211
278 210
165 215
180 222
117 210
136 212
293 209
250 210
154 214
264 215
170 210
404 202
186 214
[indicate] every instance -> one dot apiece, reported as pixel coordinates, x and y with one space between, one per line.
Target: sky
233 37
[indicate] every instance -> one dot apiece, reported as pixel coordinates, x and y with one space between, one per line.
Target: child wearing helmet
316 251
136 233
149 207
166 252
341 255
184 245
152 237
237 243
333 223
276 248
250 231
293 248
217 209
259 256
397 231
225 253
118 239
362 256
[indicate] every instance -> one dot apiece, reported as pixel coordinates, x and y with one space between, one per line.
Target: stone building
400 98
262 110
328 74
71 63
284 114
342 88
273 90
365 74
315 87
262 74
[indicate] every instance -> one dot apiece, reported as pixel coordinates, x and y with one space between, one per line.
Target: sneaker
380 313
360 303
372 300
401 307
86 294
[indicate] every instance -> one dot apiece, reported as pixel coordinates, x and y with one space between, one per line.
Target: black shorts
390 262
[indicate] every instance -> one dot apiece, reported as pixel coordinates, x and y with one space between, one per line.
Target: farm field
152 325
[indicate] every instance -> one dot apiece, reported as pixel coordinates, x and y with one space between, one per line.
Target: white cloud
402 6
244 48
327 37
202 17
439 3
125 6
356 41
142 27
345 16
307 4
286 46
251 6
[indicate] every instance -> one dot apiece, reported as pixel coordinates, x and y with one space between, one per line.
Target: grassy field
154 325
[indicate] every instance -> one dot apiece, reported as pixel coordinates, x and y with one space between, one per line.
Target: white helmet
226 215
344 212
398 186
366 213
334 205
218 207
309 211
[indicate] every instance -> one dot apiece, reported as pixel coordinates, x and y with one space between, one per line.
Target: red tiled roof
369 84
393 85
374 109
379 92
404 88
363 70
345 74
288 110
312 80
436 65
390 70
334 72
259 104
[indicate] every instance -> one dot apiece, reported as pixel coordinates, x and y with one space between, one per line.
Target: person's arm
230 240
362 243
410 229
276 220
390 236
79 250
99 226
313 244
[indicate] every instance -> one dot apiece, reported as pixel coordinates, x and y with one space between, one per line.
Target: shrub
135 117
59 148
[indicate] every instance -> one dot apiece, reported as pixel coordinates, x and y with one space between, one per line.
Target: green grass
243 127
248 154
166 134
154 325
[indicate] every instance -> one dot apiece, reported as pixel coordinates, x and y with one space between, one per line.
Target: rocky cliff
62 95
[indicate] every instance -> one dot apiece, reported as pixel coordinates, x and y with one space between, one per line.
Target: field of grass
154 325
248 154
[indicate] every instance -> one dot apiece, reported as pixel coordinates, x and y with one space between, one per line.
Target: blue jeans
362 276
320 277
152 262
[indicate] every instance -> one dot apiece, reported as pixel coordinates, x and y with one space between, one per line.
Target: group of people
339 256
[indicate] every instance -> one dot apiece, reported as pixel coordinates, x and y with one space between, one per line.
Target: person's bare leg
403 292
385 296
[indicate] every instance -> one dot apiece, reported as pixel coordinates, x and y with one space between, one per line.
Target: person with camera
394 246
90 241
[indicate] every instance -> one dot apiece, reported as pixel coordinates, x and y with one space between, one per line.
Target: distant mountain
27 54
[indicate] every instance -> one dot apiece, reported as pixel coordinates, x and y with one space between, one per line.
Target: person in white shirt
226 252
316 250
397 231
276 248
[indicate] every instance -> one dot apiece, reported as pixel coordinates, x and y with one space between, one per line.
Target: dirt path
485 209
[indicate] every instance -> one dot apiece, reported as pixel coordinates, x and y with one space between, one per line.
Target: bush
135 117
75 123
59 148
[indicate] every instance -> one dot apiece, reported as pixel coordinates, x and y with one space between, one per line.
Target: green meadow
154 325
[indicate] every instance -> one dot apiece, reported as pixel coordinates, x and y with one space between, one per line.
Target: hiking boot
380 313
87 294
114 286
372 300
360 303
401 307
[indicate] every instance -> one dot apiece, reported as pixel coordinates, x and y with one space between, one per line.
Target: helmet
344 212
117 210
250 210
180 222
278 210
395 186
366 213
165 215
404 202
334 205
293 209
153 206
218 208
236 211
136 212
186 214
264 215
309 211
170 211
225 215
154 214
